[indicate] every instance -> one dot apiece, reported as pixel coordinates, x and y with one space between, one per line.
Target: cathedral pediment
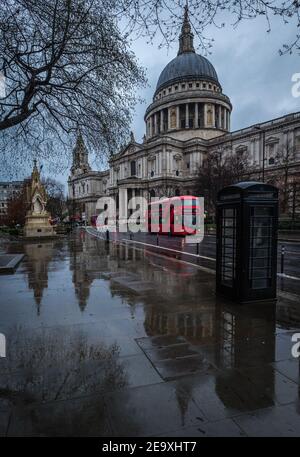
129 149
272 139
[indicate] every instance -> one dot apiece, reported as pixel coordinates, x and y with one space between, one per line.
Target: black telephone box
247 224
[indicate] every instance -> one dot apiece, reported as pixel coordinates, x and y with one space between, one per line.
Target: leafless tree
17 207
56 203
219 171
282 177
66 66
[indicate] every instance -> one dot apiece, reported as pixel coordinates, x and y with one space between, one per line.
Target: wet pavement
204 253
110 339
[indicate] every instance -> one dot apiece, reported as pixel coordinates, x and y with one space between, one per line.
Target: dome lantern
186 38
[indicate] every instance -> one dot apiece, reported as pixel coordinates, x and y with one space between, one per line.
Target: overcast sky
251 71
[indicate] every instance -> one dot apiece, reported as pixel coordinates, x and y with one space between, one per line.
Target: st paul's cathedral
188 118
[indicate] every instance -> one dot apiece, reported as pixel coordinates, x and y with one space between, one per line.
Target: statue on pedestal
37 223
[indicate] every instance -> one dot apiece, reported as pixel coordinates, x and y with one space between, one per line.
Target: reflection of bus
94 220
166 261
176 215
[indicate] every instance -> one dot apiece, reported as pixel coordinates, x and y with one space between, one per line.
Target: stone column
155 124
187 115
220 116
177 117
150 126
205 115
224 116
169 119
160 157
196 115
213 115
162 120
252 150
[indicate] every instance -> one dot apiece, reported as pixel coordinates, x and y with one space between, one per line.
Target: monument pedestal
38 226
37 223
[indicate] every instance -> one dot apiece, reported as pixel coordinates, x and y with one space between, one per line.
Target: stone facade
188 118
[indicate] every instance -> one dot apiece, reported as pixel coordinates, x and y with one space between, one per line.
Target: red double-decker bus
175 216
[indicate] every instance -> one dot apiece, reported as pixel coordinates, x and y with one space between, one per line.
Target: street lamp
258 127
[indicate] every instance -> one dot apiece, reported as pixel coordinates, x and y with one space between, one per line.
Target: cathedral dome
188 100
187 66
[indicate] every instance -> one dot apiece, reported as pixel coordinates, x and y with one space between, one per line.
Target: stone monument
37 223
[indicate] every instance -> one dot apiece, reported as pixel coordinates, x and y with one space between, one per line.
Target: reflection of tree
57 365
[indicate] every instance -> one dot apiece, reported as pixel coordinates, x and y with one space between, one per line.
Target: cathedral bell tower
80 163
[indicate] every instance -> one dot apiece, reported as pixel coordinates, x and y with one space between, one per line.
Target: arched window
152 193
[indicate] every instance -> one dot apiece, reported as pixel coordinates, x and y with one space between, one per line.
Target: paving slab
151 410
9 262
280 421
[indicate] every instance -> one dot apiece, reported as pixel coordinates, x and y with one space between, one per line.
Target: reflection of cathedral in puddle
89 258
39 256
79 266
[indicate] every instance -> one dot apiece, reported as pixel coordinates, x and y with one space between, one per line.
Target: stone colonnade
188 115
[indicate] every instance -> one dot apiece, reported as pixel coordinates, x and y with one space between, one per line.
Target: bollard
130 236
107 235
282 258
157 243
198 248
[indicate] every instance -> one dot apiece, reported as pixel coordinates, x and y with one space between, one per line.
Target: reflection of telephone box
247 222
